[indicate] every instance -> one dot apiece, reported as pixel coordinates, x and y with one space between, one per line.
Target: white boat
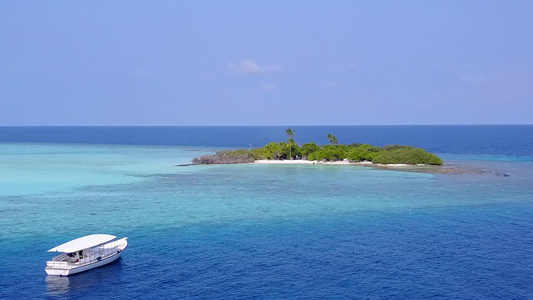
85 253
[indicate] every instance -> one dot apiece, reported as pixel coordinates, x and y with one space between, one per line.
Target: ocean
267 231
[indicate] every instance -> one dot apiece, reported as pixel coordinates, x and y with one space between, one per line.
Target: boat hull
72 271
66 269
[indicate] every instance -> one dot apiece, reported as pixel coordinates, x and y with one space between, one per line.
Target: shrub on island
225 157
308 148
271 151
396 154
406 155
393 154
363 152
330 153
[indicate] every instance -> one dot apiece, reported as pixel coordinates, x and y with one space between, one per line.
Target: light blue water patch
485 157
519 167
181 196
207 194
39 168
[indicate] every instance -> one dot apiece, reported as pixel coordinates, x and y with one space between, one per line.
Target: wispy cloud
251 67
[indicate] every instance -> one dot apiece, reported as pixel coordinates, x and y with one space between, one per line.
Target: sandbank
315 162
398 167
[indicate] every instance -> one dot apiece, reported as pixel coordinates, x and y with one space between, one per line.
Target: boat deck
64 261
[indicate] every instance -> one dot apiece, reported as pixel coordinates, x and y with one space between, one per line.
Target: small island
399 155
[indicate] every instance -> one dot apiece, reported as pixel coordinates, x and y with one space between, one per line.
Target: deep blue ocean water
457 139
267 231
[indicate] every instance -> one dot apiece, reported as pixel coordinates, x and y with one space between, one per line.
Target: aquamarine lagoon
268 231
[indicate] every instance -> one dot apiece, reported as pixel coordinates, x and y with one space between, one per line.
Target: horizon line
298 125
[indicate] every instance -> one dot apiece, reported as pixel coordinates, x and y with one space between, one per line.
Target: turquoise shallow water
267 231
41 168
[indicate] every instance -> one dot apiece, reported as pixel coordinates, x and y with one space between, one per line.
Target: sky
233 63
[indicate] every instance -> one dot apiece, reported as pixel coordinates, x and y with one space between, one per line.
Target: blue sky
266 62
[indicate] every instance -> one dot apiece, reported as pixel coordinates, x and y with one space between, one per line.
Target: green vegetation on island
394 154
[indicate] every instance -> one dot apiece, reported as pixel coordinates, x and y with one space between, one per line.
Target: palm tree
332 139
290 134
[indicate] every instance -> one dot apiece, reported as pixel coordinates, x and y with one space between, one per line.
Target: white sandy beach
314 162
398 167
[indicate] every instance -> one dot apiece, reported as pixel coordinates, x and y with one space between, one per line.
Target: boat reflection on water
61 285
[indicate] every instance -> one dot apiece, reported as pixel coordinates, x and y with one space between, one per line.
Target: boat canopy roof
82 243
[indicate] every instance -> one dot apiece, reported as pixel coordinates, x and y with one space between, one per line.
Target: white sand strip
309 162
314 162
288 162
